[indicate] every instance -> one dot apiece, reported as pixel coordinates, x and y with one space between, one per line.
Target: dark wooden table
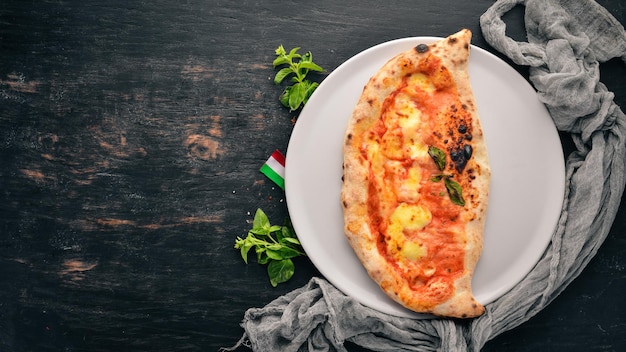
131 135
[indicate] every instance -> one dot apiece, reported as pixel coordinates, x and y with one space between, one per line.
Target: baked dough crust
362 227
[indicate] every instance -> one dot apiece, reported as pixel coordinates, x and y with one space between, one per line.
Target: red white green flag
274 168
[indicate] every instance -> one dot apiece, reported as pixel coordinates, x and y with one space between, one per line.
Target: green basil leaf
287 229
438 156
244 253
274 228
281 74
260 219
263 258
288 252
281 60
309 91
280 271
274 254
296 96
284 233
261 224
310 66
293 54
290 240
298 76
454 191
284 98
244 247
436 178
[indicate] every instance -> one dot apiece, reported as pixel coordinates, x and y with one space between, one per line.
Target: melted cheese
409 120
412 250
408 115
421 81
391 144
407 218
397 152
412 217
402 141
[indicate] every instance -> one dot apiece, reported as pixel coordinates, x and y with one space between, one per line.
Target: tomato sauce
447 126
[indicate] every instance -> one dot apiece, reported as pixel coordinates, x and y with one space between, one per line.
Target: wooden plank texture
131 135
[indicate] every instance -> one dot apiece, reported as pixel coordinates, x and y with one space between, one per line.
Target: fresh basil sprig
298 66
274 245
455 192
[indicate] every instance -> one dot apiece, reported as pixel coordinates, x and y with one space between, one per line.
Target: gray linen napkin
566 41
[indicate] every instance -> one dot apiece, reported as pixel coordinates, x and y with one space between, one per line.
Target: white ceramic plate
526 160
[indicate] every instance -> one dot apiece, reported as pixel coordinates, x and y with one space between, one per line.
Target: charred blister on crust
460 156
421 48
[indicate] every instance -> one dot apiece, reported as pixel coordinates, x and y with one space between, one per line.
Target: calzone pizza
416 179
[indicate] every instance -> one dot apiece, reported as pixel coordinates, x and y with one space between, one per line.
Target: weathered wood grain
131 134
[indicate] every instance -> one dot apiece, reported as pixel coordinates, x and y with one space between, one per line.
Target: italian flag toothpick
274 168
